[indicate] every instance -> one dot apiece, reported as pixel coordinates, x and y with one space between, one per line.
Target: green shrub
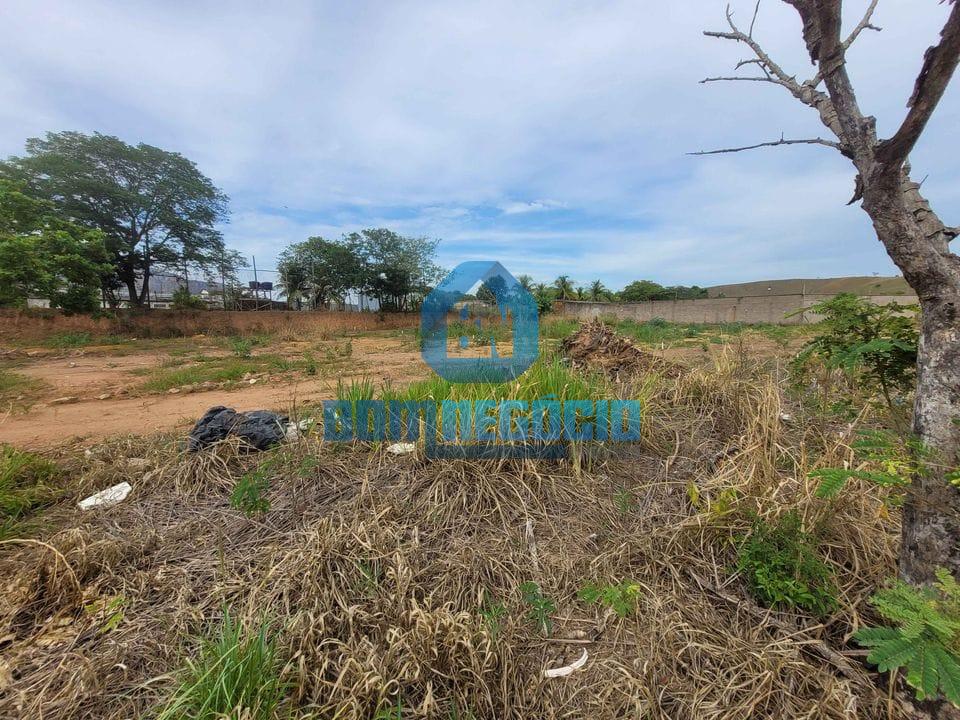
540 607
781 566
877 344
621 598
248 493
926 639
236 675
183 300
889 460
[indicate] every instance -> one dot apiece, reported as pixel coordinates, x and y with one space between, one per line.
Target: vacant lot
321 580
63 378
88 381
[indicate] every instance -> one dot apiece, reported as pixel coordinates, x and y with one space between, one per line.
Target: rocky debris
103 396
597 345
260 429
64 400
106 498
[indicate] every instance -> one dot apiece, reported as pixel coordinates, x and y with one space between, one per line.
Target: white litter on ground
567 669
402 448
106 498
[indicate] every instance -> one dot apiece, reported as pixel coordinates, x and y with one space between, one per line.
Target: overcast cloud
548 135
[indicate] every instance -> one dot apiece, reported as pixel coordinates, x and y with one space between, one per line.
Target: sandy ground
101 397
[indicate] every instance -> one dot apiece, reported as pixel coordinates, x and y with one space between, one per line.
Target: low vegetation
18 391
743 535
28 482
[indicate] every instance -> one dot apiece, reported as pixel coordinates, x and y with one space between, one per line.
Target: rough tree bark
914 237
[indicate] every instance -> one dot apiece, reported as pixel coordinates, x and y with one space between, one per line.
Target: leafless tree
913 235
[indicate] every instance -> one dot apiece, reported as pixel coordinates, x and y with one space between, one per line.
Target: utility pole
256 284
223 277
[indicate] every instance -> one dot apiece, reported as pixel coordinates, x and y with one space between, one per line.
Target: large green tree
154 207
640 291
396 269
319 270
43 255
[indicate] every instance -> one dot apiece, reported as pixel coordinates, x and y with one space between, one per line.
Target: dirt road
95 396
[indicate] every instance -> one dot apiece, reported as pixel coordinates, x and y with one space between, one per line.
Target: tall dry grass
379 573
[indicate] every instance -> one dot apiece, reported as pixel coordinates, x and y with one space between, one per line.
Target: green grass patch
217 370
480 336
557 328
548 376
237 674
18 392
28 483
68 340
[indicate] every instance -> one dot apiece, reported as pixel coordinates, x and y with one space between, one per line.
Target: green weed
621 598
781 566
926 640
237 674
540 607
26 485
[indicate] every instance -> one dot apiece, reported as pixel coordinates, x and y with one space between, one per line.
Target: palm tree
598 291
581 293
526 282
564 287
293 281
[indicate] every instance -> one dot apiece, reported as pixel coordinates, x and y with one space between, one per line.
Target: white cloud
518 208
553 134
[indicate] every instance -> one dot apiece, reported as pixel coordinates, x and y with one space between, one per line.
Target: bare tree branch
735 77
739 36
939 63
753 20
864 24
821 34
774 143
805 93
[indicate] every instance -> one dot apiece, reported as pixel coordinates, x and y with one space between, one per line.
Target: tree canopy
153 207
43 255
396 269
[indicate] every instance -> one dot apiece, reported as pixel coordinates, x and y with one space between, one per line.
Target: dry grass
37 325
379 572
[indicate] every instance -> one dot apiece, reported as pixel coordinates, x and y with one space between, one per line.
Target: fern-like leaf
873 636
922 673
832 481
895 653
948 670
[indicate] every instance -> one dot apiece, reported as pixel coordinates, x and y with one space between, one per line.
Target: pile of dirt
597 345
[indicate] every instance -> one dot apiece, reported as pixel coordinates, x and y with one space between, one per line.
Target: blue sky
551 136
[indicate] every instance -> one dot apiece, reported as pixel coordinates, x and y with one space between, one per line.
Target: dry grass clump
395 584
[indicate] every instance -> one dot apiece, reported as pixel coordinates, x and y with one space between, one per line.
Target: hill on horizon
862 285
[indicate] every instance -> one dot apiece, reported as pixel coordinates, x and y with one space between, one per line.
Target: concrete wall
767 309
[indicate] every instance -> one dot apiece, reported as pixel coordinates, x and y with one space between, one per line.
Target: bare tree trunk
919 243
